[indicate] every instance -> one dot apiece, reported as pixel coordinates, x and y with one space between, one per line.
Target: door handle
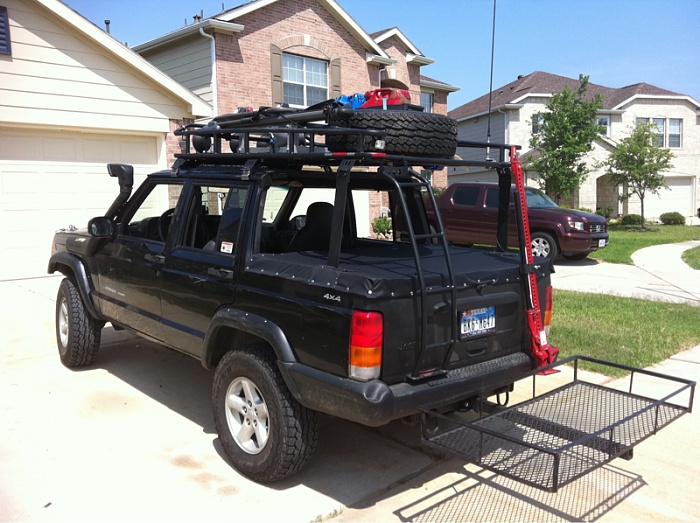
220 273
155 258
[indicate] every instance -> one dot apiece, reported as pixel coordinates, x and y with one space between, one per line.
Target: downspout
214 82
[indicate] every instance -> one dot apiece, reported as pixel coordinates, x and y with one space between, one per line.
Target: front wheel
544 245
77 333
263 430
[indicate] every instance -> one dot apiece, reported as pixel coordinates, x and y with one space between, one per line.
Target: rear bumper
375 403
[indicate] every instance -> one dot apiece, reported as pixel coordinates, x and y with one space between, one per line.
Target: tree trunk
641 201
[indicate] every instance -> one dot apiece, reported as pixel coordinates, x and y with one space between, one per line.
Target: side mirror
101 227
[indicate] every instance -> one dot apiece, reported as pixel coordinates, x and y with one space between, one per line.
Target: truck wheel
77 333
544 245
264 431
408 132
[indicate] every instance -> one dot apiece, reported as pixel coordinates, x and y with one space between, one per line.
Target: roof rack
275 136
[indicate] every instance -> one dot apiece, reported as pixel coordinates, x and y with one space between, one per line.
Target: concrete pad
657 485
132 438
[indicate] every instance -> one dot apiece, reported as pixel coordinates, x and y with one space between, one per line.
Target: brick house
299 52
676 116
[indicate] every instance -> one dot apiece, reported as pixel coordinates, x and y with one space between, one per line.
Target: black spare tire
409 133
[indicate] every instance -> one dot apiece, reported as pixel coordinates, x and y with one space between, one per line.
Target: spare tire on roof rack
410 133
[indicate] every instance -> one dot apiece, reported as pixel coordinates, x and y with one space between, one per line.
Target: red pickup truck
470 211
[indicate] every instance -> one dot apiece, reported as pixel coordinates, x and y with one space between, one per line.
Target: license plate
478 321
601 243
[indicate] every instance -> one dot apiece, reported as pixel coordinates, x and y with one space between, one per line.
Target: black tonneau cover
388 269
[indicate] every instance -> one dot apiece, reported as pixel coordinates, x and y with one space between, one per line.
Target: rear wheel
264 431
410 133
77 333
544 245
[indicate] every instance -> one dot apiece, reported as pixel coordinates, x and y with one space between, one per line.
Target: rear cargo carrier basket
561 435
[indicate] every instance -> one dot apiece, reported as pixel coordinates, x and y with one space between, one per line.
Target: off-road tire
544 244
288 430
77 333
409 133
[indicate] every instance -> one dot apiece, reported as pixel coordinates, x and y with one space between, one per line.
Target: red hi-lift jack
543 353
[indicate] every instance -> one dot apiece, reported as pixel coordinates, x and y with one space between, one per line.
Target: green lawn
692 258
624 240
629 331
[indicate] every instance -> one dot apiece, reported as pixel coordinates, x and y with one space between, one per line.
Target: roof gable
330 5
115 49
542 84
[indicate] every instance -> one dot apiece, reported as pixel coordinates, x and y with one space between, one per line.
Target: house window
5 47
604 121
537 120
665 135
305 80
426 100
675 130
659 129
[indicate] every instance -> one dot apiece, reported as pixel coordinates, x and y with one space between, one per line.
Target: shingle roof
540 82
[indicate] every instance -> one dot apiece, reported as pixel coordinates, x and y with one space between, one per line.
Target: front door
130 265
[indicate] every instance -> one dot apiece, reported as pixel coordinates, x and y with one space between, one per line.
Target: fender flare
79 273
250 323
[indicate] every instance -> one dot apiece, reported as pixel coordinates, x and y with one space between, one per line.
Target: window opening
305 80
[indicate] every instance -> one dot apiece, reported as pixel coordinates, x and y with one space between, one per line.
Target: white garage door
678 198
50 180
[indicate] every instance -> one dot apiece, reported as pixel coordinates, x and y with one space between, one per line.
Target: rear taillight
548 310
366 343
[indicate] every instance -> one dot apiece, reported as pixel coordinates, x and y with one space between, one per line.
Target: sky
615 42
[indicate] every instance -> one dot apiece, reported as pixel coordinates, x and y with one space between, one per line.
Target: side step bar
557 437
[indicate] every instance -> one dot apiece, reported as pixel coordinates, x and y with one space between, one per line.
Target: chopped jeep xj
255 255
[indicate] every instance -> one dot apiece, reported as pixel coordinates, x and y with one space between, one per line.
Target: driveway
132 439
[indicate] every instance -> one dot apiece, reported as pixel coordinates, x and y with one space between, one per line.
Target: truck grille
597 227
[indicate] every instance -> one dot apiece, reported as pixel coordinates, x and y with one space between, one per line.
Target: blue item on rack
354 101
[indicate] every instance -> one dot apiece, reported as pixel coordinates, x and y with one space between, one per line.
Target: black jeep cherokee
262 264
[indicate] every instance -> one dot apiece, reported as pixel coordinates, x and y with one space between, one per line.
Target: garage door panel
677 198
53 180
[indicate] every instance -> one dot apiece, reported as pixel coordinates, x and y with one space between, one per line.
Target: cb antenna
493 46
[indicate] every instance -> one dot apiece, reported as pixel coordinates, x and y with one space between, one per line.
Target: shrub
382 225
585 209
606 212
672 218
631 219
438 191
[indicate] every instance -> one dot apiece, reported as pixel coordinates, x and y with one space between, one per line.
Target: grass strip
692 258
630 331
624 240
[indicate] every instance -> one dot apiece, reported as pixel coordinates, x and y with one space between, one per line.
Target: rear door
489 219
199 270
461 216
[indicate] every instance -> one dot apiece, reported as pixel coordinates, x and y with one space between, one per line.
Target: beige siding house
72 99
300 52
677 117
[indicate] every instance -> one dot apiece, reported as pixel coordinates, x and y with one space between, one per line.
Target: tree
565 132
636 164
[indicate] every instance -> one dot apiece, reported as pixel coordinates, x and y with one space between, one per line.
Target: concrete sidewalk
658 274
132 439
